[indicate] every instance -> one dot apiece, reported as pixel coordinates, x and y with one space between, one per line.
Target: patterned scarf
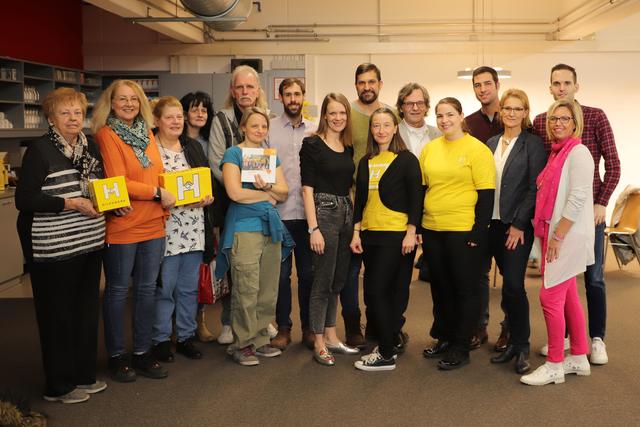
136 136
88 166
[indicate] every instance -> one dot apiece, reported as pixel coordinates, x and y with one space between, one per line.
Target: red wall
48 31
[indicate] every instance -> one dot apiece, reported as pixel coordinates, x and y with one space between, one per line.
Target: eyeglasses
417 104
563 119
510 110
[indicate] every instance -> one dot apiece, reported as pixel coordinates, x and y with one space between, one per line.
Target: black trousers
387 276
65 294
455 284
512 265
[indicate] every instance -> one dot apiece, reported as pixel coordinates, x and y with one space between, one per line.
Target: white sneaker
544 350
272 331
545 374
598 352
578 365
226 335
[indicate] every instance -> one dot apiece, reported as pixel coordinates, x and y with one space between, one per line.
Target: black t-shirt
325 170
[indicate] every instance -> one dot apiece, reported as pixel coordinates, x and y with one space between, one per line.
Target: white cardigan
574 202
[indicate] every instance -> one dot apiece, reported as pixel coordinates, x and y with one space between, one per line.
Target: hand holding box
109 193
188 186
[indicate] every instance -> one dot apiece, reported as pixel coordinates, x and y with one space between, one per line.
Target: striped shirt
63 235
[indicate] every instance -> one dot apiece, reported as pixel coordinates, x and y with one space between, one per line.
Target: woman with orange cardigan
135 243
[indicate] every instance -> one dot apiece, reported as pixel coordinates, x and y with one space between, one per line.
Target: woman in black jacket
387 210
519 157
189 239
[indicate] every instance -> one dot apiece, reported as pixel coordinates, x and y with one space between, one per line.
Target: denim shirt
271 226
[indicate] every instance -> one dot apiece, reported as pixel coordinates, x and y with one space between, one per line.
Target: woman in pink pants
564 223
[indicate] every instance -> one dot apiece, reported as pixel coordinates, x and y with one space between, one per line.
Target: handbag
205 285
220 286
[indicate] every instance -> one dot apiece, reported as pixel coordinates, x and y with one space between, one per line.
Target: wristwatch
312 229
158 195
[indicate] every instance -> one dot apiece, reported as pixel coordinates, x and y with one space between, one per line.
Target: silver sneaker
74 396
341 348
268 351
94 388
246 356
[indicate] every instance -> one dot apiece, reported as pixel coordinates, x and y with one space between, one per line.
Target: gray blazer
518 186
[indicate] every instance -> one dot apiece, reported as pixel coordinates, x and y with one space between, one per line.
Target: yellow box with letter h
109 193
188 186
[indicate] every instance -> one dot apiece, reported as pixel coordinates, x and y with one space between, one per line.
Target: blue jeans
178 291
596 292
298 228
143 260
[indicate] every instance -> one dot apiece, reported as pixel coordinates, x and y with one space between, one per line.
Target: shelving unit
149 81
25 85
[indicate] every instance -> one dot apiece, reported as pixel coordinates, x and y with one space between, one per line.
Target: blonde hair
261 101
63 95
102 109
159 105
323 125
576 112
522 97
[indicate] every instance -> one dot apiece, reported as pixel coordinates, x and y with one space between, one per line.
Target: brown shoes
308 338
480 337
203 333
282 339
353 331
503 341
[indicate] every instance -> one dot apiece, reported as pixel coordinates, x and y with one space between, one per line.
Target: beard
293 113
362 96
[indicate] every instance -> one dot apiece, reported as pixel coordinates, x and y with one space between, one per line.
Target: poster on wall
276 85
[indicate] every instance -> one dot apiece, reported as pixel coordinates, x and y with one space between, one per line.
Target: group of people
368 185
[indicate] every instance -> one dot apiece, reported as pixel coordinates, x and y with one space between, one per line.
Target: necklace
164 149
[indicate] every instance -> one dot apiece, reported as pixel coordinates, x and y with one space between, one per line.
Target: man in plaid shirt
598 137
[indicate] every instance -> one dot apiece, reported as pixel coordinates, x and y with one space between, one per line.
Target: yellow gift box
109 193
188 186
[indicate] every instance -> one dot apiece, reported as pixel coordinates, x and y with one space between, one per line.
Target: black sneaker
188 349
120 369
162 352
147 366
375 362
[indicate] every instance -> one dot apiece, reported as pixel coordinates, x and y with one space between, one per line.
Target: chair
626 227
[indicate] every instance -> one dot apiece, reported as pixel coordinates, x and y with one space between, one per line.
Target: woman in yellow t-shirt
386 214
459 173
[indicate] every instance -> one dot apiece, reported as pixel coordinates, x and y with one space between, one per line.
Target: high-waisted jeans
334 215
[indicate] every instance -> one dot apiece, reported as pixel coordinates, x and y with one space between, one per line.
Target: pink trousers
562 309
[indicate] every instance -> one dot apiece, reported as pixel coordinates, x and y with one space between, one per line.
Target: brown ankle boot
353 332
282 339
204 334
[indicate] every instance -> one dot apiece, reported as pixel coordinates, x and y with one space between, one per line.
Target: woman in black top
326 169
387 211
62 238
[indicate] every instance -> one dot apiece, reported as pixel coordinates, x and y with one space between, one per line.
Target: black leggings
455 277
387 276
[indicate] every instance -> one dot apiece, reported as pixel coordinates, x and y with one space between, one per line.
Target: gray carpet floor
294 390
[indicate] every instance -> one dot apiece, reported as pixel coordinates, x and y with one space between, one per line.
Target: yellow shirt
376 216
453 172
